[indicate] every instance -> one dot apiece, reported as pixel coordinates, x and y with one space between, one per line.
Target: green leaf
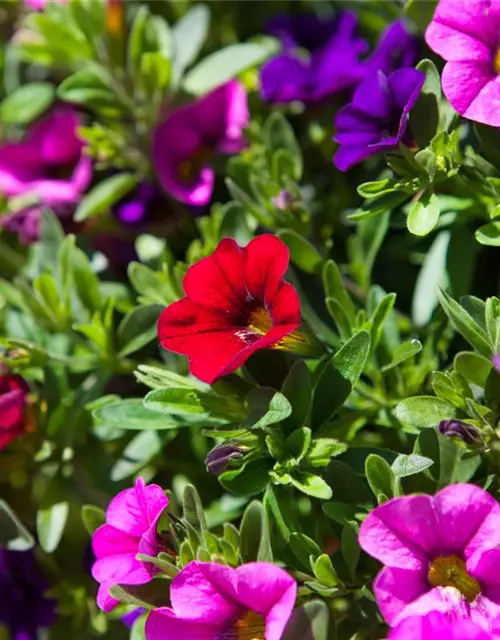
379 205
192 509
350 547
302 252
266 406
297 388
376 188
90 88
93 517
424 116
153 594
13 534
309 622
248 480
50 525
138 328
225 64
403 352
409 465
432 274
380 476
424 411
334 288
453 467
254 534
423 215
298 443
104 195
489 234
132 414
324 571
473 367
189 33
173 401
26 103
303 548
312 485
465 324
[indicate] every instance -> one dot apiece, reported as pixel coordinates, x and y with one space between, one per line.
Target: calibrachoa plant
249 320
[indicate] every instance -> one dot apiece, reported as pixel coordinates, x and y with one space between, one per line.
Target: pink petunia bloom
466 33
130 529
47 169
440 554
185 143
435 626
39 5
213 601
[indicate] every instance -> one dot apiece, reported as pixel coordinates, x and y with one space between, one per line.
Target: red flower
13 392
236 302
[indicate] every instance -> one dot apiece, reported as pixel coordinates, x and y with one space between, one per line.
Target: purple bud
458 429
219 458
284 199
495 360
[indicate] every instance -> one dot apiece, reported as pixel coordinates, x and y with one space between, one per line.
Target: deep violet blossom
24 608
236 302
376 120
13 407
186 142
130 529
130 618
47 169
331 63
397 48
436 626
466 33
440 554
213 601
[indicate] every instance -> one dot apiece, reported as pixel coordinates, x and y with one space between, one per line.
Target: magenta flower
130 528
191 136
213 601
466 33
46 169
440 554
436 625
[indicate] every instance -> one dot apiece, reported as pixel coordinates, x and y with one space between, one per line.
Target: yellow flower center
450 571
260 322
250 626
496 61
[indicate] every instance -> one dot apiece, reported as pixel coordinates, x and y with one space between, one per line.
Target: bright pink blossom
440 554
187 141
436 626
466 33
130 529
13 407
213 601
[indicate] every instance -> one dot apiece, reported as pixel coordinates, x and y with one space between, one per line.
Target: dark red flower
13 392
236 302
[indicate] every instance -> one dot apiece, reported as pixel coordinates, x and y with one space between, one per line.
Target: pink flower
185 144
436 625
213 601
466 33
39 5
440 554
130 528
48 169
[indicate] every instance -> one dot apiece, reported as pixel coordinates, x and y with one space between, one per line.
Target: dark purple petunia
397 48
129 618
23 608
320 58
133 208
376 120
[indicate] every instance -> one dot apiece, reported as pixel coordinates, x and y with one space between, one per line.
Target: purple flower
440 554
376 120
331 65
46 169
130 528
466 33
397 48
436 625
23 607
213 601
458 429
495 360
191 136
133 208
129 618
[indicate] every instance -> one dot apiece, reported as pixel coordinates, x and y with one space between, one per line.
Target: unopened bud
458 429
219 458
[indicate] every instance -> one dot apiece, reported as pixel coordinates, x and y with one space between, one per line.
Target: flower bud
495 360
458 429
284 200
219 458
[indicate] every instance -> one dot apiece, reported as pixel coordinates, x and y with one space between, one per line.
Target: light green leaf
465 324
104 195
423 215
131 414
311 485
189 33
409 465
489 234
26 103
173 401
403 352
424 411
302 252
266 406
50 524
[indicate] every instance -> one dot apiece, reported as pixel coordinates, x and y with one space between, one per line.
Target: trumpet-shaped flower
13 407
466 33
236 302
190 137
440 554
130 529
213 601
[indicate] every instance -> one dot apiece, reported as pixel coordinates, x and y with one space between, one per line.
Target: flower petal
472 90
283 79
162 624
132 510
436 625
395 589
120 568
108 541
266 261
